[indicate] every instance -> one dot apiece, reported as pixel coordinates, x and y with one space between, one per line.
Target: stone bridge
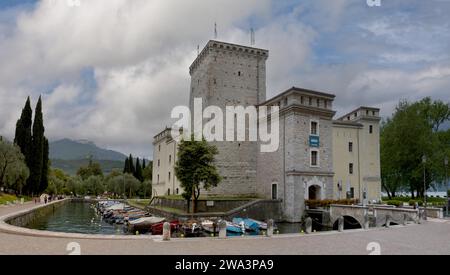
373 215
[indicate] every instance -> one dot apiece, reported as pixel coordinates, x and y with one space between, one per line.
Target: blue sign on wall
314 141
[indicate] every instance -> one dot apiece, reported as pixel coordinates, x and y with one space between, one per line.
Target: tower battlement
217 46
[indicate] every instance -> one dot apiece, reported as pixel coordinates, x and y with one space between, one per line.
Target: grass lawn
139 203
171 210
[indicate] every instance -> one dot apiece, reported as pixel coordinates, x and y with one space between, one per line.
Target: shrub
396 203
413 202
327 203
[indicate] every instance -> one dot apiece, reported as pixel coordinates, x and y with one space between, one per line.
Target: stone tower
223 75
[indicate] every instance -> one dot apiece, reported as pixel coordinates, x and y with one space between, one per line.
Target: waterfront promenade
431 237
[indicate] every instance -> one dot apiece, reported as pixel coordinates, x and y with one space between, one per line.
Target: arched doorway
314 192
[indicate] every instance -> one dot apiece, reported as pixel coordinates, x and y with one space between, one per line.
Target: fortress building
318 157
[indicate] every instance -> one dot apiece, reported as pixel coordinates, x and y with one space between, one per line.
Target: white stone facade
311 159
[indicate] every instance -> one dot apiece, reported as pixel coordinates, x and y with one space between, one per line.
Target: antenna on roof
252 37
215 30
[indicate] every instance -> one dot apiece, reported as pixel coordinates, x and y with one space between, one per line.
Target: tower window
301 100
159 148
314 158
310 101
169 176
239 73
370 129
170 159
350 168
314 128
158 180
350 147
177 191
168 192
159 163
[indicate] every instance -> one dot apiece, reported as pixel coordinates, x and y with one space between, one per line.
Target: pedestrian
45 199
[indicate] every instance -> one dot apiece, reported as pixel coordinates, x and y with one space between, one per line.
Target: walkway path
432 237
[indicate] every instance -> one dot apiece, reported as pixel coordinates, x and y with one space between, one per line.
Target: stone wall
25 218
202 205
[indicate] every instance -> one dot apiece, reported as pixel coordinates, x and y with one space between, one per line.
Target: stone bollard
222 229
270 224
388 221
308 225
166 231
405 219
341 224
366 222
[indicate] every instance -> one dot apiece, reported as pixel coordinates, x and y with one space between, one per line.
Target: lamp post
446 182
424 161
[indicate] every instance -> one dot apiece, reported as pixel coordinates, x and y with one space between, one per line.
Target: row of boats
138 221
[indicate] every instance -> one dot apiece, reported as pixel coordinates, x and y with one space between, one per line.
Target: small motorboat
210 226
157 228
249 224
234 228
143 224
191 229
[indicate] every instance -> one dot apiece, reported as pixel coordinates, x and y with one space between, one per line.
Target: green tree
13 169
126 168
146 189
147 172
132 170
23 132
138 174
94 185
195 168
45 167
37 150
412 132
143 164
92 169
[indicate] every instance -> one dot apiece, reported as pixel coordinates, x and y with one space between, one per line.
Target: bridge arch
349 223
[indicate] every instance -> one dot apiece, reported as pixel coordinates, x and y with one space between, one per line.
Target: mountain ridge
67 149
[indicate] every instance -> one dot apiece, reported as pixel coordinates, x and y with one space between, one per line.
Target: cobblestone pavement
431 237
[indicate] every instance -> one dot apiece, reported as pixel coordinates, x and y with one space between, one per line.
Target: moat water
76 217
81 217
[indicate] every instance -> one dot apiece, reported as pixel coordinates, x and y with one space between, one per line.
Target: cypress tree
45 166
126 167
23 135
37 149
132 169
143 164
138 173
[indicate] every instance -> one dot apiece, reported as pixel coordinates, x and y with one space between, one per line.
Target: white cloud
137 55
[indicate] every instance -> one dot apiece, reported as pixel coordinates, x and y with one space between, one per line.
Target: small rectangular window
350 168
314 128
169 176
370 129
158 179
159 162
310 101
170 159
314 158
350 147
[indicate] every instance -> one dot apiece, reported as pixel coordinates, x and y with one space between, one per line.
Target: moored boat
157 229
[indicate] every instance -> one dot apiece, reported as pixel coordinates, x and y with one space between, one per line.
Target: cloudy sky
111 71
